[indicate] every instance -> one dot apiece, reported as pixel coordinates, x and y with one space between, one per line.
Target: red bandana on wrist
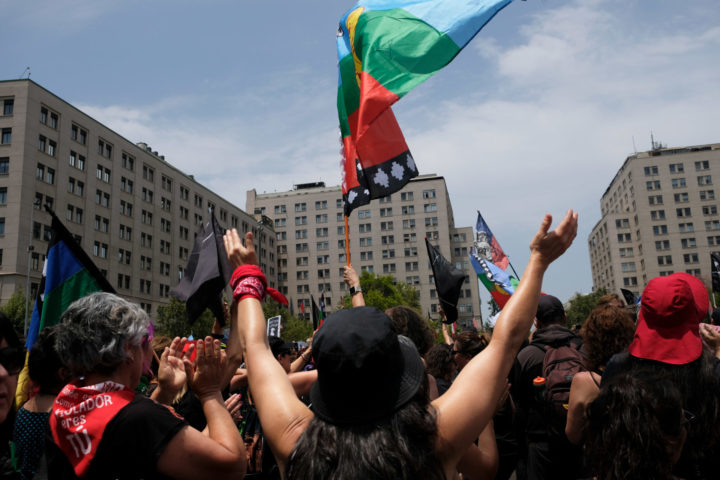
79 417
249 281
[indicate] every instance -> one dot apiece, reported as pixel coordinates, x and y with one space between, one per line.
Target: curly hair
471 343
402 447
609 299
635 428
439 361
95 330
408 322
608 330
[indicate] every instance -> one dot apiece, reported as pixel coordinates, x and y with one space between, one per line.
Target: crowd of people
634 395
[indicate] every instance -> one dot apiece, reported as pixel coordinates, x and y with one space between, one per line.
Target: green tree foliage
580 306
382 292
14 309
172 320
293 328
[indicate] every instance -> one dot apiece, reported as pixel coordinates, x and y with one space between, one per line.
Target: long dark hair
634 425
699 389
402 447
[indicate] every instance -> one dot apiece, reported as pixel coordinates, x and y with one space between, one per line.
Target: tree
383 292
580 306
293 328
172 320
14 309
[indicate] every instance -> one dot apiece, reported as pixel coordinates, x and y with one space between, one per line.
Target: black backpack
560 364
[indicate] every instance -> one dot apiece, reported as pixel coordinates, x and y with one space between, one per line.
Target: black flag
448 282
715 269
207 273
628 296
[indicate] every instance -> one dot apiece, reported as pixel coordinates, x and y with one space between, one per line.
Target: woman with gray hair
106 430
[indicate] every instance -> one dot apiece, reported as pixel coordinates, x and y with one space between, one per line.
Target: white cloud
571 96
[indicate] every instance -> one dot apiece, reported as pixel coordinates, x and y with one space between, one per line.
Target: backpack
560 364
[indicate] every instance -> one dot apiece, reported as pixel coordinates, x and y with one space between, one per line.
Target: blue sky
535 115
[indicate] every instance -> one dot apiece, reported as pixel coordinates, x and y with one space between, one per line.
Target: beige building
134 213
659 216
386 237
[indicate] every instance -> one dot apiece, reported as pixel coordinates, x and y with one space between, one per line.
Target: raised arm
282 415
469 404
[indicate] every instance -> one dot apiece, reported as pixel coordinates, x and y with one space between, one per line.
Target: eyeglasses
12 359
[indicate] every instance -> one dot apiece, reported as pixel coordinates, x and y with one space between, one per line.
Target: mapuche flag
68 274
448 282
487 245
498 282
385 49
207 273
318 313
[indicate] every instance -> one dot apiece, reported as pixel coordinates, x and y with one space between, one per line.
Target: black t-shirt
131 444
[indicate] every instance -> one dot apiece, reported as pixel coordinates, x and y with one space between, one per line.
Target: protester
282 351
608 330
549 454
667 342
636 429
102 429
611 299
47 377
440 364
467 344
408 322
12 356
370 416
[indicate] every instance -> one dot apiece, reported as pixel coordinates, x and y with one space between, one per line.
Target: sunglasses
12 359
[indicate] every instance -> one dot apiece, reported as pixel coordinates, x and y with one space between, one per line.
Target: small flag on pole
207 273
487 245
448 282
498 282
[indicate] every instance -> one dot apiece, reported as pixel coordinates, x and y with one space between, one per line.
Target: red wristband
249 281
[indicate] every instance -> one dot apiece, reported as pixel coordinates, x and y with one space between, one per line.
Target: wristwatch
354 290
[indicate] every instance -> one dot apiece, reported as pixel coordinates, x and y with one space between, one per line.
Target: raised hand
171 373
239 254
549 245
205 375
350 276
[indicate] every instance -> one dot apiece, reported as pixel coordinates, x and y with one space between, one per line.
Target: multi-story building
659 216
134 213
386 237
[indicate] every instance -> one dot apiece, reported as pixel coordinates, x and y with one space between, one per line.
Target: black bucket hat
366 371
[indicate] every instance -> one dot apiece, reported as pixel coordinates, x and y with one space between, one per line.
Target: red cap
668 325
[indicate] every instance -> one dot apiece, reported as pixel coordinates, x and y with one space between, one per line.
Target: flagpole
513 268
347 240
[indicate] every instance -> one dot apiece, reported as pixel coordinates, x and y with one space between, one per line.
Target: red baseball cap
671 310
